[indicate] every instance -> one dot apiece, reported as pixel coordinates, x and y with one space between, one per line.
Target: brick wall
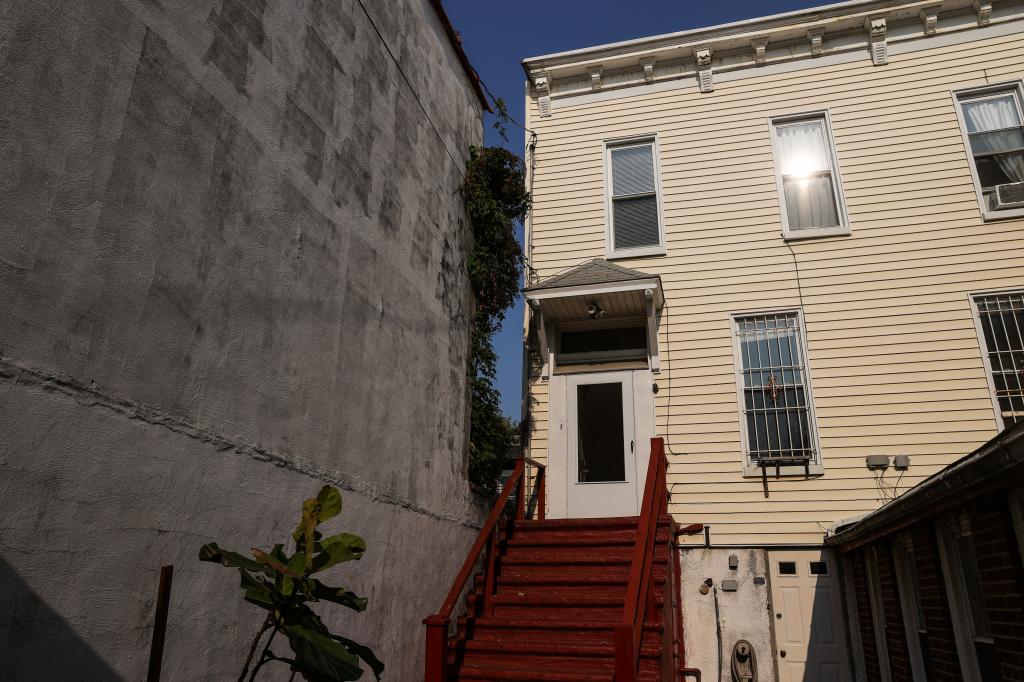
1002 575
895 633
944 662
856 564
999 562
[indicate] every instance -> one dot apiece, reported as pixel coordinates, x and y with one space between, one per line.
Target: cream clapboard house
784 245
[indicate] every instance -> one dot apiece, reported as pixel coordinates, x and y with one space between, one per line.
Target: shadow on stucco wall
37 644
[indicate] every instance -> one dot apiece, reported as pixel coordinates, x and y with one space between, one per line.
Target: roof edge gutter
986 469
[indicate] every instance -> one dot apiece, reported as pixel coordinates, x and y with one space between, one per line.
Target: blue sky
498 35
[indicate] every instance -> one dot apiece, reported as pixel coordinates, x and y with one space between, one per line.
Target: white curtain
807 176
802 147
998 114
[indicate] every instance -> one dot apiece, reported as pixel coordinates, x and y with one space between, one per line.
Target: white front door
810 640
602 445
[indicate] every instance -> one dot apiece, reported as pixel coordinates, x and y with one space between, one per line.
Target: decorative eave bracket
815 35
983 8
648 65
760 45
930 19
876 26
542 84
705 78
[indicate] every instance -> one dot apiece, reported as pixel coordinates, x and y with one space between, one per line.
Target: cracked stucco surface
230 252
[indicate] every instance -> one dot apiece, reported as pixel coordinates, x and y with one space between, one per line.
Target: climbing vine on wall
496 200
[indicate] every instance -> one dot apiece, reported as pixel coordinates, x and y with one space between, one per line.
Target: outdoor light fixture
595 311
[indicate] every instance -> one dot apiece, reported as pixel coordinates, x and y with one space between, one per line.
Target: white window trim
611 252
815 467
901 547
997 411
957 601
843 229
994 88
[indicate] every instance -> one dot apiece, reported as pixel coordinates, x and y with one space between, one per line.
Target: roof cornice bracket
983 8
876 27
930 19
815 35
704 75
648 65
760 45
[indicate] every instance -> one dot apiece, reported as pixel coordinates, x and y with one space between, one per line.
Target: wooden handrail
640 593
438 624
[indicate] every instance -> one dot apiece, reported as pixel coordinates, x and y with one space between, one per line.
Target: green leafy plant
497 201
283 586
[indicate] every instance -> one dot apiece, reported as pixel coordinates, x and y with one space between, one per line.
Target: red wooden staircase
567 600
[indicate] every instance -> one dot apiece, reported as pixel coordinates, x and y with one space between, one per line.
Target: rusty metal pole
163 599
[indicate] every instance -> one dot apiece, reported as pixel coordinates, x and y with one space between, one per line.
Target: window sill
786 470
636 253
1007 214
815 233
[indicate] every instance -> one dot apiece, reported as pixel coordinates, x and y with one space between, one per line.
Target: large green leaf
211 552
338 595
363 652
257 591
337 549
329 500
297 564
319 657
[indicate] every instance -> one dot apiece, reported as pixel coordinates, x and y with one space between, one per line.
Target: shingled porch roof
596 271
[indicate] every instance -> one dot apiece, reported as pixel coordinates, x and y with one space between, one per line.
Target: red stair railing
640 595
438 625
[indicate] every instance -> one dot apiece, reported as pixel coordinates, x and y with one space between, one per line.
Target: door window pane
601 455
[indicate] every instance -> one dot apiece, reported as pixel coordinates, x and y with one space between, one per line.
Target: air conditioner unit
1010 196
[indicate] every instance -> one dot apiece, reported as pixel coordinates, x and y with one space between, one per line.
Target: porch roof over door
617 290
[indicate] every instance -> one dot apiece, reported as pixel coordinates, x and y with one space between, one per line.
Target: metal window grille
774 382
1002 323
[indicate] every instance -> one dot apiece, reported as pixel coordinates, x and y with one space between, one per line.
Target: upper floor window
993 124
809 189
774 393
1000 319
634 204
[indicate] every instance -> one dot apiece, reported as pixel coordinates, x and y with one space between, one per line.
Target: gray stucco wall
743 614
231 251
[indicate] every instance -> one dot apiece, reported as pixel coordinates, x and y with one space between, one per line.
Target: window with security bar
777 416
1001 318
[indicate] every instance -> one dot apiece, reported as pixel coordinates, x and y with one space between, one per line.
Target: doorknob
631 446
